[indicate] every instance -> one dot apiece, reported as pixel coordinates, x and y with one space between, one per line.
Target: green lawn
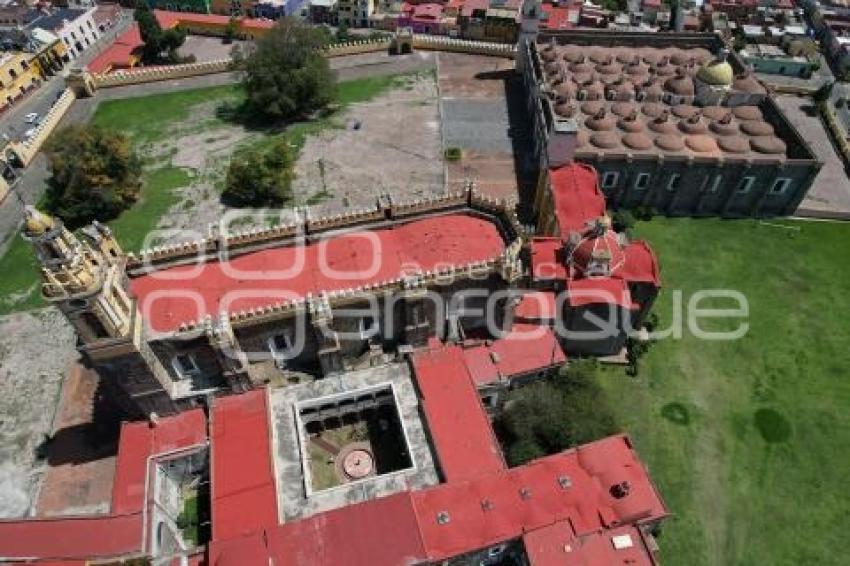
150 120
749 440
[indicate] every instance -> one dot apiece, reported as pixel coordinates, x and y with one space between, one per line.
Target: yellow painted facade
21 72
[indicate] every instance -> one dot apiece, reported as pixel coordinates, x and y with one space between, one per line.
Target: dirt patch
388 145
31 371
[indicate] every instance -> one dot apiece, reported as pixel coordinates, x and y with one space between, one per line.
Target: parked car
31 118
29 134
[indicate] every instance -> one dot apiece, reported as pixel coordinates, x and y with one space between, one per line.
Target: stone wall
152 74
27 150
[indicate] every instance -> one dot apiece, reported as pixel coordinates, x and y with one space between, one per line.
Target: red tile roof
526 348
286 273
640 265
536 306
573 485
546 260
244 499
576 195
118 533
463 438
119 53
71 538
599 290
139 441
558 545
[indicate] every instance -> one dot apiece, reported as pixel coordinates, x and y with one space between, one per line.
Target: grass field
748 440
148 121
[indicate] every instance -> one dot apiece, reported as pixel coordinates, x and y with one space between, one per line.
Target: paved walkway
829 196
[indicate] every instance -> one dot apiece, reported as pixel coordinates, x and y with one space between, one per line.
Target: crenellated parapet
306 228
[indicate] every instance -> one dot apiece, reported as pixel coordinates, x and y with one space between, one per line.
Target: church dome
599 251
605 140
756 128
715 112
684 110
733 144
592 107
600 121
701 143
622 108
716 73
768 144
653 109
694 125
747 112
681 85
36 222
724 126
573 54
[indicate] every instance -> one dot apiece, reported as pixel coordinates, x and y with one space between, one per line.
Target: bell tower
84 279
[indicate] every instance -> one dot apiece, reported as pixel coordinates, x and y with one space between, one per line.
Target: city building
28 57
355 13
671 121
76 28
773 59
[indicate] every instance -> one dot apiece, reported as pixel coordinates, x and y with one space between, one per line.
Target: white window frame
642 181
369 331
784 182
610 179
715 184
277 352
745 185
673 181
182 372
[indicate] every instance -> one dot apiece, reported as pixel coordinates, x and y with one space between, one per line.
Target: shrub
623 220
257 178
452 154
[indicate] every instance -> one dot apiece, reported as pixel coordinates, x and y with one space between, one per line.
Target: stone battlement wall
249 240
152 74
27 150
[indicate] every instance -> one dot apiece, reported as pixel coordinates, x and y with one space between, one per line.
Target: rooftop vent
620 490
443 518
565 481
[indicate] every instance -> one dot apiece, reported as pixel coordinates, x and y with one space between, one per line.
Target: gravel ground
35 350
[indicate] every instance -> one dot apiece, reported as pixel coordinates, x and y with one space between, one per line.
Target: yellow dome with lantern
36 222
716 73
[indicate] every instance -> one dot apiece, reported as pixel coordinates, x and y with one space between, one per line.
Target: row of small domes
697 143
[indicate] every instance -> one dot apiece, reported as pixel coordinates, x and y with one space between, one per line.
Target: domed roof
756 128
637 140
565 109
684 110
716 73
653 93
723 127
609 79
36 222
715 112
599 55
605 140
592 107
609 68
650 56
631 123
548 53
748 83
677 57
767 144
694 125
663 125
622 108
637 68
625 56
670 142
747 112
681 85
664 69
594 90
599 246
582 78
600 121
701 143
624 91
565 89
573 54
733 144
701 55
652 109
581 67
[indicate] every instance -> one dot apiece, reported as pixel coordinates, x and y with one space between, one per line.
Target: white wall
79 34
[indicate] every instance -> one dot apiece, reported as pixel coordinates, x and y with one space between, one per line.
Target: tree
231 30
159 45
286 77
550 417
342 33
95 174
260 178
